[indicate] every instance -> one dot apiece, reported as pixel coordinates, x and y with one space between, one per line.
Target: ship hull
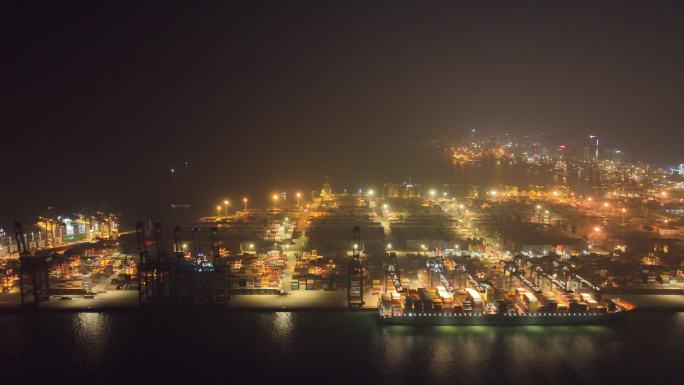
501 320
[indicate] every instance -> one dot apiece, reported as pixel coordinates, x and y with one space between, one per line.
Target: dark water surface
331 347
493 175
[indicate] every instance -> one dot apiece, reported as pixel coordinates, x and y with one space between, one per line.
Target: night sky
100 99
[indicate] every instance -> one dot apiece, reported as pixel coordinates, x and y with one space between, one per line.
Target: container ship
484 304
468 307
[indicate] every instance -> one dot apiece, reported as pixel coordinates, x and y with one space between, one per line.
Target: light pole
226 203
244 200
218 212
299 196
597 234
275 201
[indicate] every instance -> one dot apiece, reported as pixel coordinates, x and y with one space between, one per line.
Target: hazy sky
99 99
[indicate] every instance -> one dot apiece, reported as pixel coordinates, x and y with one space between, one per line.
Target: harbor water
330 347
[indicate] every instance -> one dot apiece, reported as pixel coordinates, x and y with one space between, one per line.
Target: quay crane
461 268
34 281
469 277
355 273
475 283
197 252
567 268
214 245
519 273
436 265
178 244
393 272
561 285
151 277
220 282
168 278
158 241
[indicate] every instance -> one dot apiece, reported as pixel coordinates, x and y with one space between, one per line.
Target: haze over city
101 100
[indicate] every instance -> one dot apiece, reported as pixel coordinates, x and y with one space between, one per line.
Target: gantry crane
34 282
394 273
355 273
436 265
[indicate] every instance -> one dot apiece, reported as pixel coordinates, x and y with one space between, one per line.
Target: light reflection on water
524 354
332 347
490 175
91 333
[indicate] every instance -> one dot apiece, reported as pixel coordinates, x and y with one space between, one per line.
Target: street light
389 246
275 201
371 192
226 203
218 211
299 196
244 200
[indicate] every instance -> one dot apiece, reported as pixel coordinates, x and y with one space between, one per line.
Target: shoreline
313 301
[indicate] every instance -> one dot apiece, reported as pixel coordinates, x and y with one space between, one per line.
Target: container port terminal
403 248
